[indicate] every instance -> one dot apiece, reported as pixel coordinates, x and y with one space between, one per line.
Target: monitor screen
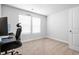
3 26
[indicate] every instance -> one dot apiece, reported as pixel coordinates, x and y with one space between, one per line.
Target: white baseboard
70 46
27 40
57 39
74 48
44 37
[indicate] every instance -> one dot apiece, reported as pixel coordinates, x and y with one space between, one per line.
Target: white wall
0 10
57 26
12 14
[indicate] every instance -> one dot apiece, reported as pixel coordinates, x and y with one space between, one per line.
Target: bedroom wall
12 14
57 26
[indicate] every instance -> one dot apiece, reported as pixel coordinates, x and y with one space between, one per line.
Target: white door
70 29
76 27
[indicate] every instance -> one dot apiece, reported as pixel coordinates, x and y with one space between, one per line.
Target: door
76 27
70 29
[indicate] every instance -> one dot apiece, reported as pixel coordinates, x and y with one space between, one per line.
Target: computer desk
5 40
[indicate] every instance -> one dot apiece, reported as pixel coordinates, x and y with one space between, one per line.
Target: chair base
13 52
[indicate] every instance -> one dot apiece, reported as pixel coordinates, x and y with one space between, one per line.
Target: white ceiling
44 9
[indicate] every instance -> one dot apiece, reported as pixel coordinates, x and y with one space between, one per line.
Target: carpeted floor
46 47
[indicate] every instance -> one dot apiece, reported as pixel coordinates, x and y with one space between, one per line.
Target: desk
6 40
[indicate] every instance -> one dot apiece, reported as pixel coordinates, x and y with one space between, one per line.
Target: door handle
70 30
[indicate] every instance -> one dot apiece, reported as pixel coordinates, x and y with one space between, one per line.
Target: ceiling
44 9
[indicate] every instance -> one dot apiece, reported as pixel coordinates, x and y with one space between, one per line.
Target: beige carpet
46 47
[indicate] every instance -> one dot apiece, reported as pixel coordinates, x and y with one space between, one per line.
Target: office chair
14 44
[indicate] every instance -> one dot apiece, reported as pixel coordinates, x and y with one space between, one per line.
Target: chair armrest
8 38
10 33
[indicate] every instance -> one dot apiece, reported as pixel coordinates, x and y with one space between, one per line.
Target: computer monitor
3 26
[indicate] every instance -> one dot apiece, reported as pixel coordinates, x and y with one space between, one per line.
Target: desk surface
7 40
4 36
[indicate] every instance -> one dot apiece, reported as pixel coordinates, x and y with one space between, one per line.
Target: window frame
21 24
31 24
40 25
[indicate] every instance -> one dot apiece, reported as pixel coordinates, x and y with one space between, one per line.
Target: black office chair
14 44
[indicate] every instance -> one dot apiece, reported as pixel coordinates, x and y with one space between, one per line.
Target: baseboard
36 38
74 48
70 46
57 39
44 37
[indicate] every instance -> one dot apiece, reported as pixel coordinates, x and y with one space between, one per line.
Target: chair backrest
18 33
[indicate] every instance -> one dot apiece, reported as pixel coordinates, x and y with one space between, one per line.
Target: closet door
76 27
70 29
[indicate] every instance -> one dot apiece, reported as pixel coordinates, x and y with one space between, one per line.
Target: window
36 22
30 24
25 21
